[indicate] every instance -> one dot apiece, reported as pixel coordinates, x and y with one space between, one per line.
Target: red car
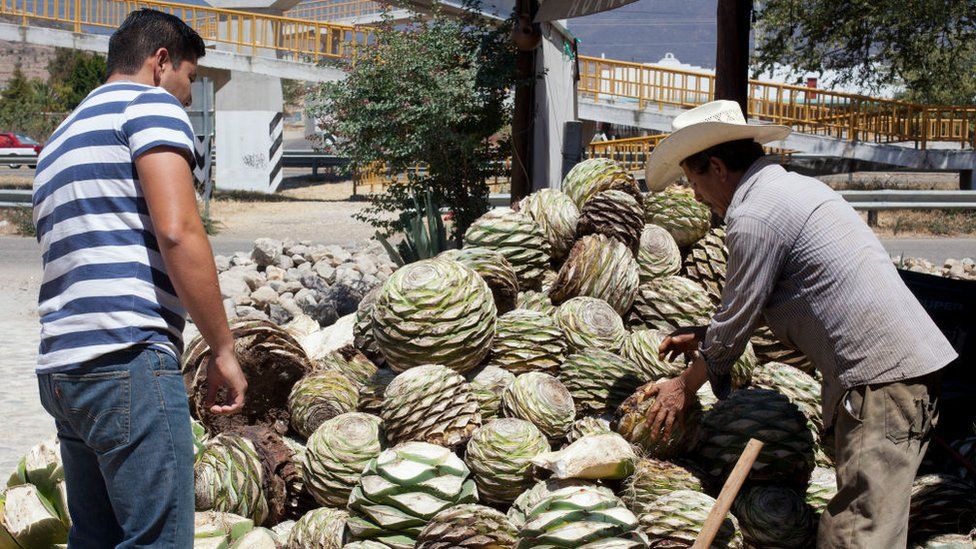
17 145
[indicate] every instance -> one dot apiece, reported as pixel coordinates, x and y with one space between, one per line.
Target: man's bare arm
167 184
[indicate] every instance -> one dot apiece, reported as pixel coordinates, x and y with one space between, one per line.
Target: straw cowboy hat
701 128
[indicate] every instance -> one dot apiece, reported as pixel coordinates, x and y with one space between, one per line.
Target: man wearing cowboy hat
803 262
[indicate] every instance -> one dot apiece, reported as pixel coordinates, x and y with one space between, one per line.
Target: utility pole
734 20
526 37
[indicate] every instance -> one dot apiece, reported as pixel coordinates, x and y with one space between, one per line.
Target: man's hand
224 373
682 341
672 398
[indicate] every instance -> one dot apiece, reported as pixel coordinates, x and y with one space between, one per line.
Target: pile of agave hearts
489 399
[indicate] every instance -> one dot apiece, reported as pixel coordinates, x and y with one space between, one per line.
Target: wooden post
733 22
521 184
724 502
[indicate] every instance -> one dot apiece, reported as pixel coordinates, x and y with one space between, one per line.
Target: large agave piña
487 386
499 455
350 362
742 368
322 528
403 488
527 341
632 422
598 267
258 538
434 311
676 209
769 348
787 453
594 175
671 302
27 519
948 541
675 520
705 263
430 403
657 254
516 236
363 328
318 397
557 214
823 488
367 544
641 348
774 517
941 504
599 380
654 478
800 388
966 447
542 490
229 476
542 400
536 301
272 361
496 271
588 425
336 454
614 214
580 516
588 322
468 527
216 524
42 467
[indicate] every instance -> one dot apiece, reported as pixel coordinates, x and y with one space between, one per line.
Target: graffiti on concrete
255 160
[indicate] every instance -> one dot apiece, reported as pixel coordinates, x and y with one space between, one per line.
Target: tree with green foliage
74 74
434 94
29 106
929 47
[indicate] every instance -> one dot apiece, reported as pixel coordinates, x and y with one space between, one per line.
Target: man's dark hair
145 31
737 156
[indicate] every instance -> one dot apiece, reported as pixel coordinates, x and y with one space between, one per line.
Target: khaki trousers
881 434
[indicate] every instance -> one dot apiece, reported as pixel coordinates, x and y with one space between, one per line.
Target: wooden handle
724 502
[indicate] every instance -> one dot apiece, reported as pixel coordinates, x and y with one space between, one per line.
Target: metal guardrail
18 161
907 200
14 198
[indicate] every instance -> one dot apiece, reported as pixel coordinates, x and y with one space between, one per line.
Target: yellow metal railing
248 33
376 178
332 10
633 152
808 110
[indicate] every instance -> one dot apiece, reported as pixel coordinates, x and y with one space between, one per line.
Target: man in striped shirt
802 260
124 251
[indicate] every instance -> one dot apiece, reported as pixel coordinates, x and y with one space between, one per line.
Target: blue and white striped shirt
105 286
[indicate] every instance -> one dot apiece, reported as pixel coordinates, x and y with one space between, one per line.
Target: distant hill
647 29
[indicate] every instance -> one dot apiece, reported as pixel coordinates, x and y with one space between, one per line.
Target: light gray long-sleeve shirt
803 259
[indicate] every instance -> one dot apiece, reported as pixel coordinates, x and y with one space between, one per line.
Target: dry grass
945 223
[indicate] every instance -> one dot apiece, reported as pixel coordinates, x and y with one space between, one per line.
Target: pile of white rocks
960 269
279 280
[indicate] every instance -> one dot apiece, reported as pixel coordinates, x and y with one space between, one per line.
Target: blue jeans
127 447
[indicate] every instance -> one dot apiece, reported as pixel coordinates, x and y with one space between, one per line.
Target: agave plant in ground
517 237
631 421
614 214
676 210
557 214
322 528
594 175
28 519
674 521
337 453
527 341
588 322
657 254
542 400
496 271
403 488
641 348
319 397
787 454
580 516
774 517
652 479
598 267
500 454
272 361
430 403
705 263
669 303
823 487
435 311
941 504
468 527
536 301
600 380
487 386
